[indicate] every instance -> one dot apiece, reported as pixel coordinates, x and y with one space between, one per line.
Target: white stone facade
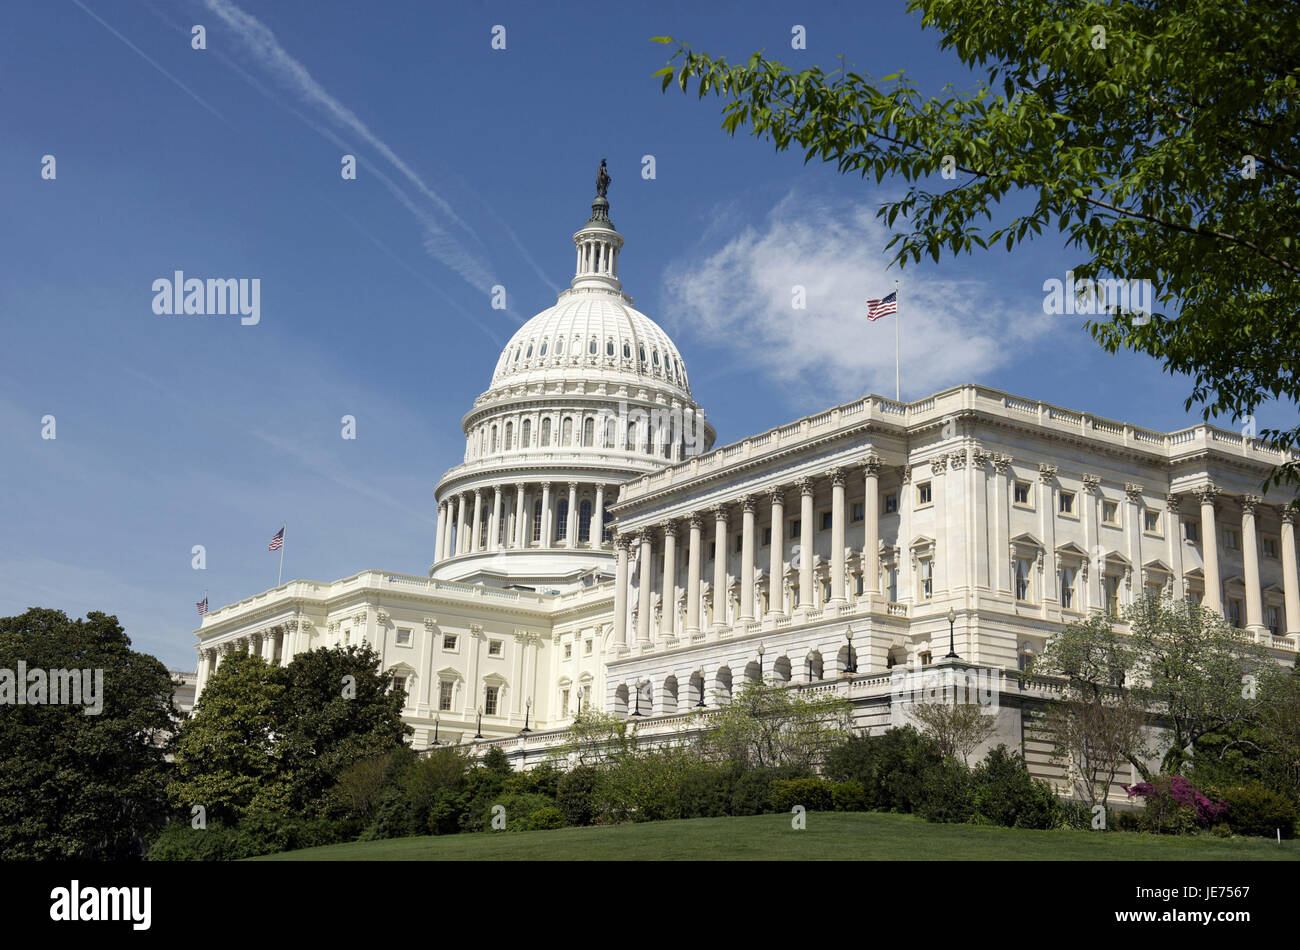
594 547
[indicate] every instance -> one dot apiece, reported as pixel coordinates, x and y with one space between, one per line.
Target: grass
870 836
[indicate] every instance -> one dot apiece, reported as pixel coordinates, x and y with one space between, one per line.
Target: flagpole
280 575
898 316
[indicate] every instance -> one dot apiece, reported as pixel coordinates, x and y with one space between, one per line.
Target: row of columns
1213 599
261 644
869 472
509 529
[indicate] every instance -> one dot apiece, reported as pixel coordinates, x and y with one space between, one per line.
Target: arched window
609 347
668 442
546 432
588 431
494 437
591 347
562 519
631 437
584 521
566 431
627 351
642 350
542 351
526 434
537 520
529 354
510 437
559 347
655 353
517 351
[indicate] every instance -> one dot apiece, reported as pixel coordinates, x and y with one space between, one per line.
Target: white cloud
739 296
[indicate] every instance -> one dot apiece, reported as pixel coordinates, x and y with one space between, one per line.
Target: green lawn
872 836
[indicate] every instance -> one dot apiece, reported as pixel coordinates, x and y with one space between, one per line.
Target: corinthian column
668 613
871 527
521 540
806 489
719 566
437 537
1250 552
1210 550
643 593
620 593
571 522
776 569
748 504
837 536
693 576
546 514
494 530
1290 583
598 520
478 515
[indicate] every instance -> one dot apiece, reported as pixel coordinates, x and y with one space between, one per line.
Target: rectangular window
586 695
1068 575
893 585
826 592
826 521
767 537
1234 612
1151 522
1271 620
568 651
1191 530
1230 541
1065 503
923 494
403 637
927 579
796 528
1110 590
891 502
490 696
1270 547
740 543
445 690
858 511
1023 566
1022 494
399 684
587 648
564 703
494 648
449 641
713 550
857 583
1110 512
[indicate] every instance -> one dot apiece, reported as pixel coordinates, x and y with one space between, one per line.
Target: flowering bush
1173 805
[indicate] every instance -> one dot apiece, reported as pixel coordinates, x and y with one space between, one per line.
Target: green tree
956 728
86 787
333 707
225 754
1162 139
771 725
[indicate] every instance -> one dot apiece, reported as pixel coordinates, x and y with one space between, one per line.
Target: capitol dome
586 395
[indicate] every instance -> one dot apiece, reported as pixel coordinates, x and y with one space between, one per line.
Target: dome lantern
598 244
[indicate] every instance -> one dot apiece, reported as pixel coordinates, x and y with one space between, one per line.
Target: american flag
202 605
883 307
278 541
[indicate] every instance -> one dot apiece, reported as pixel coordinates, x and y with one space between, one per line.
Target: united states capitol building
595 546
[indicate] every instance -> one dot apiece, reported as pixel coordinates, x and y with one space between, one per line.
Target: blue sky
476 166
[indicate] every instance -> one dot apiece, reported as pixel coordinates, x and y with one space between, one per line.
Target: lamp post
761 651
579 704
700 704
637 687
478 732
436 743
528 712
850 667
952 619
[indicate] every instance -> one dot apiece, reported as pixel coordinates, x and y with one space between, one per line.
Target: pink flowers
1172 793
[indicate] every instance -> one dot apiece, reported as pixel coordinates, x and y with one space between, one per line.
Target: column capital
957 460
776 495
478 494
1287 514
1249 503
696 522
520 486
1172 502
1046 473
807 486
719 513
871 465
574 486
1207 494
906 474
669 528
749 504
622 543
939 465
838 477
1002 463
1133 491
1091 483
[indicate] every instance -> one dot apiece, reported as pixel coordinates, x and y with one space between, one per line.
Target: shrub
1127 821
1221 830
644 786
814 794
545 819
751 789
1078 815
1007 795
1255 810
890 767
1174 806
706 792
849 796
575 795
947 793
258 833
519 809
